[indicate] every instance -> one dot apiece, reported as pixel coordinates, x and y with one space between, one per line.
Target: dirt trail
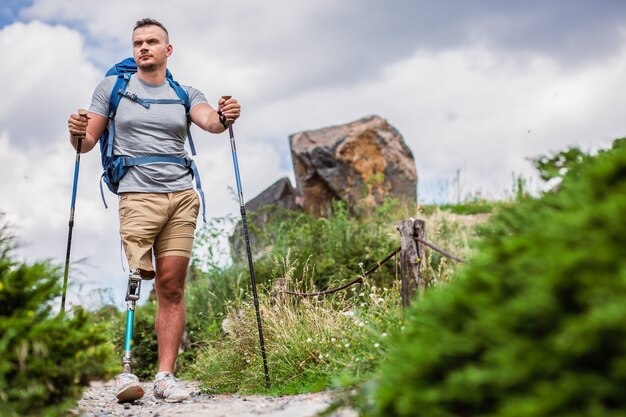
99 401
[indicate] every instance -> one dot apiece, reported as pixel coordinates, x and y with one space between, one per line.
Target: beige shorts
163 223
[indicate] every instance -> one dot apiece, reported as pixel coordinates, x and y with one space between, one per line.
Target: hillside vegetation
535 325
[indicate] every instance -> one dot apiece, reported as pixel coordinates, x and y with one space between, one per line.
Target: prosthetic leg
132 296
127 385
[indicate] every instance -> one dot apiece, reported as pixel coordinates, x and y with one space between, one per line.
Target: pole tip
82 112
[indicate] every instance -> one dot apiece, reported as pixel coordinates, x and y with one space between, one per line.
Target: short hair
150 22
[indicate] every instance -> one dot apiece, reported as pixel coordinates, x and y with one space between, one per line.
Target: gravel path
99 401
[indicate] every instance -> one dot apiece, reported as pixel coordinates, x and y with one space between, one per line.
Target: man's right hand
77 126
88 126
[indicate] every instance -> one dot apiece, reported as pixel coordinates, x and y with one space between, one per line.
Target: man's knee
171 294
170 278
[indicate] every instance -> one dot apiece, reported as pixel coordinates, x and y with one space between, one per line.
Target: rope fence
358 279
412 257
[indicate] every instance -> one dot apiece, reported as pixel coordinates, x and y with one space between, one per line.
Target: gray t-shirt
158 130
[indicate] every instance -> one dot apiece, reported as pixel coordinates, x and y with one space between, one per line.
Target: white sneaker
128 388
167 389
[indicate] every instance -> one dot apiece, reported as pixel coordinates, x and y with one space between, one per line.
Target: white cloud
47 76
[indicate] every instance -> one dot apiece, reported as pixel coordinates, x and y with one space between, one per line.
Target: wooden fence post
420 232
412 257
279 286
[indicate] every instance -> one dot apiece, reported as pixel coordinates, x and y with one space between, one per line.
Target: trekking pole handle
81 113
228 121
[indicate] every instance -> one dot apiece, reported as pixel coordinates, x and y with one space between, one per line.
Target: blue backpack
116 166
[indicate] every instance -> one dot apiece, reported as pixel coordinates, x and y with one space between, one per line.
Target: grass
321 342
309 341
477 206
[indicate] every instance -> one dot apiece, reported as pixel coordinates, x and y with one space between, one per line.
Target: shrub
335 245
45 360
534 326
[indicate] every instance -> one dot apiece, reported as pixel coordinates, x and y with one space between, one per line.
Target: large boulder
362 161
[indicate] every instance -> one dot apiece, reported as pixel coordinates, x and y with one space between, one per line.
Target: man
158 206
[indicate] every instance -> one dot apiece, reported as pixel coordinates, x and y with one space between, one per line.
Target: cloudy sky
475 87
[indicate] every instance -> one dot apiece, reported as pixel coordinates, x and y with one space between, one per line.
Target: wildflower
347 345
361 265
332 339
383 335
321 356
376 345
361 294
309 340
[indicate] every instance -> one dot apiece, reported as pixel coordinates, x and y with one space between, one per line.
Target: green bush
45 359
338 245
535 325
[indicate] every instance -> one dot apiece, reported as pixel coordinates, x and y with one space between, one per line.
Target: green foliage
310 341
534 325
336 245
45 360
476 206
338 248
557 165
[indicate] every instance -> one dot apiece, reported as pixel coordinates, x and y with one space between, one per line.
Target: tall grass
310 341
314 342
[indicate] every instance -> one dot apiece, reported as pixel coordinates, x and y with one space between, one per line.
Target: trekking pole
82 113
229 122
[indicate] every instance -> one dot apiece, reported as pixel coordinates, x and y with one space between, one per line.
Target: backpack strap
188 163
119 88
196 176
182 94
145 102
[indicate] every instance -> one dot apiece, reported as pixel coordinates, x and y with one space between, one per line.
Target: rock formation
365 160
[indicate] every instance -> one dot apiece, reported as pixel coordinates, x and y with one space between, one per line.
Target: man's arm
207 118
91 126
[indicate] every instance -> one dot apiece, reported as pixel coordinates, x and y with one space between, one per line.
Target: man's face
150 48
